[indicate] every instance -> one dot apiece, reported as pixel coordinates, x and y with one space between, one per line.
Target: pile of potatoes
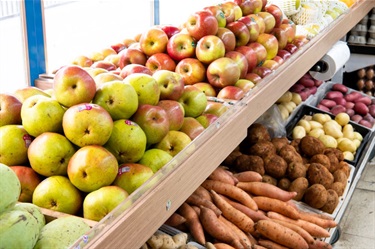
334 132
317 174
287 103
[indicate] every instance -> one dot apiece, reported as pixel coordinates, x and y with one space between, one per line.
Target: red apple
240 31
284 54
269 21
82 61
270 43
281 37
206 88
291 48
271 64
191 70
206 119
232 11
228 38
215 108
223 72
153 40
191 127
231 92
241 61
299 41
209 48
260 21
262 71
170 30
160 61
131 56
181 46
107 65
29 180
134 68
250 6
277 13
10 109
260 51
253 77
175 113
245 84
118 47
278 59
250 55
218 13
252 25
171 84
290 30
201 23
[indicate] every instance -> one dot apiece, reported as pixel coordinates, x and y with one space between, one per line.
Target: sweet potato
269 244
195 200
271 204
222 175
320 244
175 220
280 234
265 189
193 222
259 247
244 240
248 176
304 234
231 191
238 218
214 227
326 222
221 245
203 193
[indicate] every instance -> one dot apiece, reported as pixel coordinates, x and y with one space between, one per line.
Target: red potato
306 82
297 88
349 105
337 109
328 103
323 107
364 99
356 118
318 83
266 189
313 89
360 108
371 110
340 101
350 112
365 123
305 93
334 94
339 87
353 96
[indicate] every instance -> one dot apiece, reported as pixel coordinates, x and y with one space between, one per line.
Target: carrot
280 234
214 227
269 244
325 223
307 237
254 215
223 246
319 244
266 189
203 193
248 176
230 191
193 222
195 200
238 218
272 204
313 229
222 175
175 220
244 239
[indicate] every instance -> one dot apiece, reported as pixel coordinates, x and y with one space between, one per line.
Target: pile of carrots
238 210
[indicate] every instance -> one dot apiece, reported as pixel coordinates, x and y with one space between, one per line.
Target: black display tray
310 110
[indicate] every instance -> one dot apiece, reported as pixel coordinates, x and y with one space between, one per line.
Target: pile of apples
112 120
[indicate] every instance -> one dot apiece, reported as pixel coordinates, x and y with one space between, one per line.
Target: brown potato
322 159
337 152
295 170
338 187
269 179
230 159
340 176
317 173
316 196
279 142
289 154
300 186
262 149
310 146
284 183
257 132
295 144
249 162
344 166
334 162
275 166
332 202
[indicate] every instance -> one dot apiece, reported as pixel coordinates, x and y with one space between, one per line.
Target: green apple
58 194
87 124
10 187
14 144
192 127
174 142
41 114
98 203
175 112
61 233
106 77
153 120
26 92
29 180
155 159
49 154
193 100
132 175
34 210
216 108
92 167
10 109
73 85
118 98
127 142
206 119
146 86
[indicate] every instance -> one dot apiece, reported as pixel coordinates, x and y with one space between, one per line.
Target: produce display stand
144 212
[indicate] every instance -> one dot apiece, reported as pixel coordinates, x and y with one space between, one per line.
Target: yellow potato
286 97
328 141
342 118
296 98
315 124
358 136
298 132
305 124
347 127
349 134
289 106
346 145
284 111
348 155
333 129
316 132
320 117
357 143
